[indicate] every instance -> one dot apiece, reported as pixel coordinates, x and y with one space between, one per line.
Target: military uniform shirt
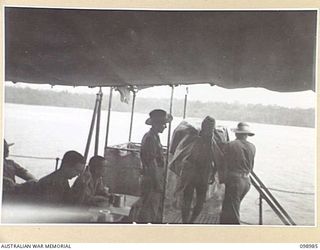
240 156
12 169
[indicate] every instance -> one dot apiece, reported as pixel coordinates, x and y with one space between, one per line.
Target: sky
205 93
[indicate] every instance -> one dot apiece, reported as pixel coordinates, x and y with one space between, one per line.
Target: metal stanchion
167 160
185 103
260 210
86 152
57 163
132 113
108 121
99 96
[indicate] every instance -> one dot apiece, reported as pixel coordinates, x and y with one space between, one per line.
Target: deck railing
265 194
57 159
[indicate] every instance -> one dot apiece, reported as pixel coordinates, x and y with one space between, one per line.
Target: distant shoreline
257 113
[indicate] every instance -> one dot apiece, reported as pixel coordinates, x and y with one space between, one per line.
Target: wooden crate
123 173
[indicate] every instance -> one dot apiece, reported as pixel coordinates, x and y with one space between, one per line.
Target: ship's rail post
260 210
57 163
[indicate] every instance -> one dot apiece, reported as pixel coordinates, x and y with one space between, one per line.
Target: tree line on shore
268 114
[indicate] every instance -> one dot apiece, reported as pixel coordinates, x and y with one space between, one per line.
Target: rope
35 157
289 192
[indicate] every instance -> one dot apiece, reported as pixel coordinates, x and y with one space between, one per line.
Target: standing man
153 163
239 157
199 166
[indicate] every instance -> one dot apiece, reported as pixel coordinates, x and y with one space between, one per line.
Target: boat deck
15 210
210 213
174 217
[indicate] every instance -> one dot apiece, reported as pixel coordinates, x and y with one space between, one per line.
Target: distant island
268 114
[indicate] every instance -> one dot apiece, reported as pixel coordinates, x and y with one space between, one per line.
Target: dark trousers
201 190
151 200
236 189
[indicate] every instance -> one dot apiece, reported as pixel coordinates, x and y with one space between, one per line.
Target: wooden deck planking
174 217
210 213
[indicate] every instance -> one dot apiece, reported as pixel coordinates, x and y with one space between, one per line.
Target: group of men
88 189
207 155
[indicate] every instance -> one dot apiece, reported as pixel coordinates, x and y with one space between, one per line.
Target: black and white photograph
159 117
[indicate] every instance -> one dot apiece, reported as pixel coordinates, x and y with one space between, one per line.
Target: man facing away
11 169
197 170
239 157
153 162
55 188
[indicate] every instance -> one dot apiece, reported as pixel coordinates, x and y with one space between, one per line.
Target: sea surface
285 157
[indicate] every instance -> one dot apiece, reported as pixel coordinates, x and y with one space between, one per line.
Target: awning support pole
167 159
108 121
96 148
185 103
132 113
86 152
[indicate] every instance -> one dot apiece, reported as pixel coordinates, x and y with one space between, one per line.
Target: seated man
11 169
88 189
55 188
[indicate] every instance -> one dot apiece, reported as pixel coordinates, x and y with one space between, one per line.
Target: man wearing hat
11 169
239 159
153 162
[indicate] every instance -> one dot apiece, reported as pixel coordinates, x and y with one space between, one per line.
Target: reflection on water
285 155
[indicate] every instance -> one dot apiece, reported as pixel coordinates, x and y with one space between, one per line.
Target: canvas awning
270 49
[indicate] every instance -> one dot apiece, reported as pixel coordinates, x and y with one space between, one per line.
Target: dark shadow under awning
270 49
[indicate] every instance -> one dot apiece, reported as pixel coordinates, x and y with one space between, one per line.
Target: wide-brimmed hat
158 116
243 128
8 144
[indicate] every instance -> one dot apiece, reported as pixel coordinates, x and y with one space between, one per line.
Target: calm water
285 155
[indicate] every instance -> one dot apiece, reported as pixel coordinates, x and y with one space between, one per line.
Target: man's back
240 156
12 169
53 188
198 164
